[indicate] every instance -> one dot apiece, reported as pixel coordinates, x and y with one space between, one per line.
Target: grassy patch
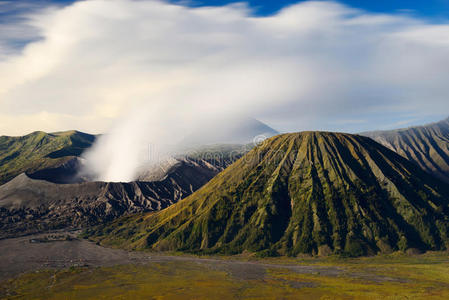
380 277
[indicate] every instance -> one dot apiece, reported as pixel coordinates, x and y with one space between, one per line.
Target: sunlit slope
428 146
309 192
39 150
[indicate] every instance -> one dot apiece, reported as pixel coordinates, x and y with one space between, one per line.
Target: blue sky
312 66
432 9
437 10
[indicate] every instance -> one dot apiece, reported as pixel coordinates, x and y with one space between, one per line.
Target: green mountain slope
428 146
39 150
310 192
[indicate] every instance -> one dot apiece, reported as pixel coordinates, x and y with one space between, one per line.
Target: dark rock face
427 146
66 172
30 205
310 192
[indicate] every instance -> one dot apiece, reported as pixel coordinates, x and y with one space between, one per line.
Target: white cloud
165 65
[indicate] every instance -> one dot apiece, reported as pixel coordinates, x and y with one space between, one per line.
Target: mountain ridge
309 192
426 145
40 150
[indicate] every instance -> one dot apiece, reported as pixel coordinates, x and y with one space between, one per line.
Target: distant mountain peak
228 131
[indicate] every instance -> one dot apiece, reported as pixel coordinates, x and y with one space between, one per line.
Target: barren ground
60 266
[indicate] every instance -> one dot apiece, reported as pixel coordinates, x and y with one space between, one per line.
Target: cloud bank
154 71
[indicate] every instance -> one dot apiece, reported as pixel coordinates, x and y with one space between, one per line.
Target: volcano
311 192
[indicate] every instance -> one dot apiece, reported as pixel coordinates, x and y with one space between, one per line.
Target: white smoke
143 139
150 72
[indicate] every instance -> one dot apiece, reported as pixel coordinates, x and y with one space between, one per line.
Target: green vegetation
427 146
39 150
312 192
382 277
